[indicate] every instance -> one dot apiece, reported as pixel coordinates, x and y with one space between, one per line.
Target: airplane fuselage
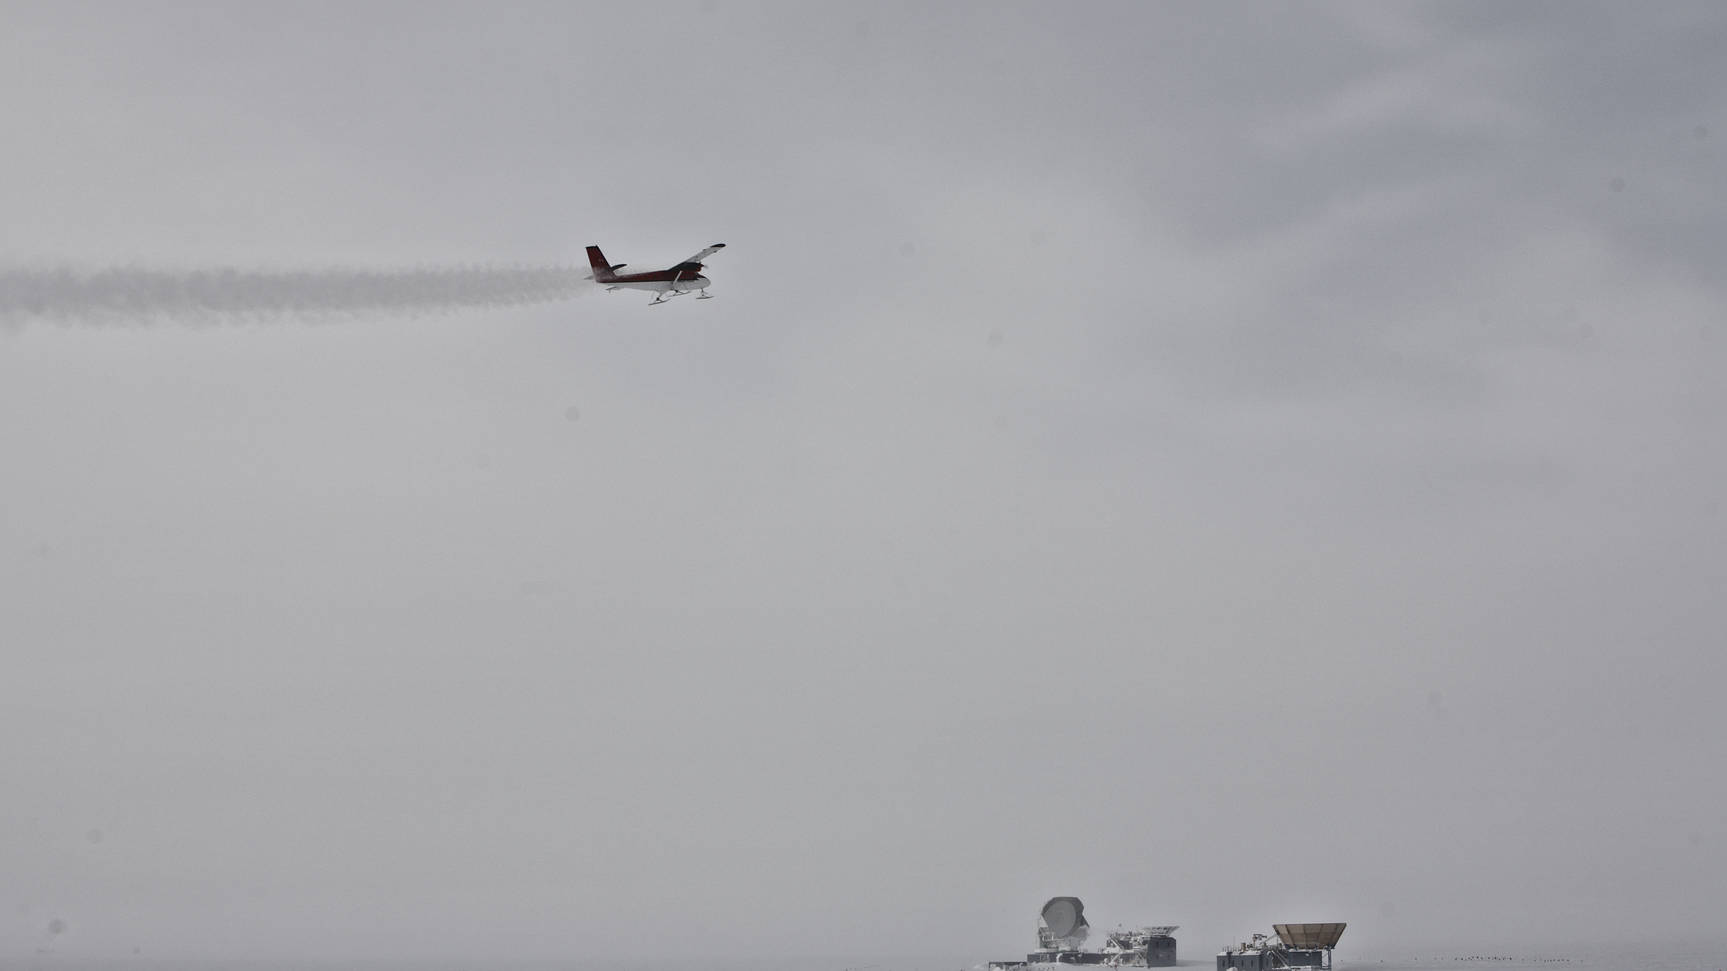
661 280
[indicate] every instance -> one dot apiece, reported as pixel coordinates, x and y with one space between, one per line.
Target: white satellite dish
1064 918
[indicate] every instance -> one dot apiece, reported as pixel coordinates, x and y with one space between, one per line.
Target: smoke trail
129 295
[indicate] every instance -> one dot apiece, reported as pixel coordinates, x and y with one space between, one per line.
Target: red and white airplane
670 282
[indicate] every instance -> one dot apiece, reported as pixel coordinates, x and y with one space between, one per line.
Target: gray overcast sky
1233 463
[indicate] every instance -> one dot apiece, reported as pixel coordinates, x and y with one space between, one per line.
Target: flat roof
1307 936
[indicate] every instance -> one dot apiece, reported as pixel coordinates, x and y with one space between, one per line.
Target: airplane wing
696 259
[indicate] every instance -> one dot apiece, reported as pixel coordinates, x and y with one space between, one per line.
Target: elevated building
1296 946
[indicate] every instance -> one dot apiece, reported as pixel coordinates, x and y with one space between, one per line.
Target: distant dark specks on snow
56 927
995 339
94 835
572 413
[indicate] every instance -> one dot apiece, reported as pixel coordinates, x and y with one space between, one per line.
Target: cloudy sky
1232 463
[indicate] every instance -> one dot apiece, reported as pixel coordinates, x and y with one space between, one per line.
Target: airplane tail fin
603 272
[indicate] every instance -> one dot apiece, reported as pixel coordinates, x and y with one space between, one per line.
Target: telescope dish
1307 937
1065 918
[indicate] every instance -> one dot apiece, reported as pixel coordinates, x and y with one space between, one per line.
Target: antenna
1062 922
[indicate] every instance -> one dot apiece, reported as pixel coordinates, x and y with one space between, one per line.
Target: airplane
671 282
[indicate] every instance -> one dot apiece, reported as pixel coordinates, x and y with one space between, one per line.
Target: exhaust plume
128 295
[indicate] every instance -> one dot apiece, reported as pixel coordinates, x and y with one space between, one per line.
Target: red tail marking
602 270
